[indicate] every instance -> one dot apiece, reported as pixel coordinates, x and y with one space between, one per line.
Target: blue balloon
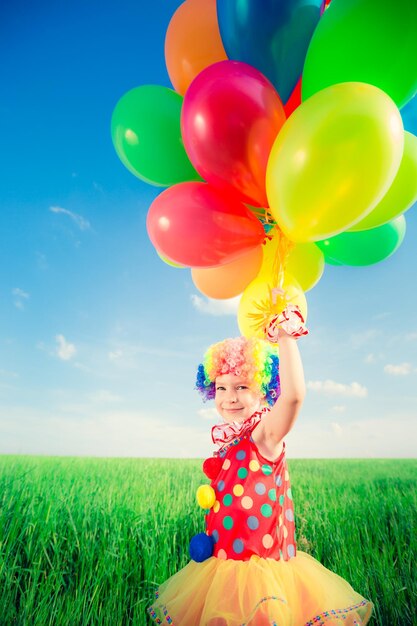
409 115
201 547
271 35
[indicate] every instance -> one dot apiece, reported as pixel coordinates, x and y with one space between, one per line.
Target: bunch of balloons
282 146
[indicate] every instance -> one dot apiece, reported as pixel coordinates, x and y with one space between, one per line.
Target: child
246 570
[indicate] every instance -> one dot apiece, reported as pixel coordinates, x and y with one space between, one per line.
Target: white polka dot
247 502
267 541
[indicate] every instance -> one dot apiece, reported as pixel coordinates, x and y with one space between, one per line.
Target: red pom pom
212 466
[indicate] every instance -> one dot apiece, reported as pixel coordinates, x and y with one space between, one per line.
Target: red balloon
294 100
196 225
230 118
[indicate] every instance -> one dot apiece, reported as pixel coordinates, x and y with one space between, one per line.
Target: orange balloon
228 281
192 42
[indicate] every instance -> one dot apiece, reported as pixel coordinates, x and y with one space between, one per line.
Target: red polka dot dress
245 569
253 513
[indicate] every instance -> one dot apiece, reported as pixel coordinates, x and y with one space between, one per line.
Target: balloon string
280 260
264 309
276 299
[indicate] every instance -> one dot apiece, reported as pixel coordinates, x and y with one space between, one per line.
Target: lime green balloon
401 195
333 161
371 41
365 247
306 264
146 133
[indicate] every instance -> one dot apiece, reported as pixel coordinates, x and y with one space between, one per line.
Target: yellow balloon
304 261
206 496
257 304
401 195
333 161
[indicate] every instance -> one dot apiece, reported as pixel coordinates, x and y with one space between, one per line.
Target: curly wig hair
256 360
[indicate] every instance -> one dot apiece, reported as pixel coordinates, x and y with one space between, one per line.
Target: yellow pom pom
206 496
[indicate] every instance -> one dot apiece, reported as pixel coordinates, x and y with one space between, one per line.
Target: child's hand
288 323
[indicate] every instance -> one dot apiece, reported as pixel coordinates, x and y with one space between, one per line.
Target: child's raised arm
275 424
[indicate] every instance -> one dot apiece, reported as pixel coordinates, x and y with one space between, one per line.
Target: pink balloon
196 225
230 118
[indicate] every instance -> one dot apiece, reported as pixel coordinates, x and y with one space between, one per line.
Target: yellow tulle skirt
259 592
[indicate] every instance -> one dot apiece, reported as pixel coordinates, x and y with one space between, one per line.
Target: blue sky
99 339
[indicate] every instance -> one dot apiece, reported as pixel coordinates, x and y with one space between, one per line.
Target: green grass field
84 541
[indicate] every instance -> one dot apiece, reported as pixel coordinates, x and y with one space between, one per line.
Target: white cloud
411 336
103 396
41 261
370 358
129 356
8 374
337 429
19 297
210 306
98 187
358 340
339 408
393 436
331 388
65 350
373 357
90 431
209 414
81 222
84 368
20 293
382 316
398 370
116 354
99 433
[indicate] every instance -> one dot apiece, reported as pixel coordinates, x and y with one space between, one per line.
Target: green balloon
403 191
365 247
146 133
370 41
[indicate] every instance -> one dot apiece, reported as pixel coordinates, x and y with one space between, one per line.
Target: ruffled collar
222 434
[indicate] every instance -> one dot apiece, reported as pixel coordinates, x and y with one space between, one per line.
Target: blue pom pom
201 547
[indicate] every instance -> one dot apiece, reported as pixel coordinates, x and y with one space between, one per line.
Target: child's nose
232 395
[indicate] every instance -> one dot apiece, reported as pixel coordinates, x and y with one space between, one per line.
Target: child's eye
219 388
242 387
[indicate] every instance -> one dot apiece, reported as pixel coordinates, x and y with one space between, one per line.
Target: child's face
235 400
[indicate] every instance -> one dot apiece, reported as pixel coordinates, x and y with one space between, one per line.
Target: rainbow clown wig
254 359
